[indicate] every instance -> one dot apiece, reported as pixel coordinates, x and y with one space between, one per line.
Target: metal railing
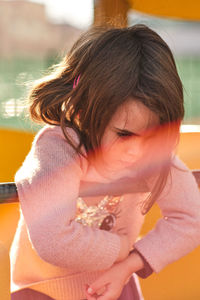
8 190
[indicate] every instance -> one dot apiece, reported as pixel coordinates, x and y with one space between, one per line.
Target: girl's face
127 137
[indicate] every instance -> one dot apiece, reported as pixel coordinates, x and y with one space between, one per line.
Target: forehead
133 115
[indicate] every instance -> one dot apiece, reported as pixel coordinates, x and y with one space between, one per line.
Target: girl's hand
110 284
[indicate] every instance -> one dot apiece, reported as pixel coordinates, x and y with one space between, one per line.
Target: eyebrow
126 131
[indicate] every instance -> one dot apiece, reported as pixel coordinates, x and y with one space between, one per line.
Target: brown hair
114 64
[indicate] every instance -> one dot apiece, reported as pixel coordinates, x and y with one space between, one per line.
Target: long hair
112 64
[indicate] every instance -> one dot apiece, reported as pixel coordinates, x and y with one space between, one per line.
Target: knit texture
54 254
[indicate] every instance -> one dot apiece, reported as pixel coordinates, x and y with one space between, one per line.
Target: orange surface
16 145
4 273
179 9
179 281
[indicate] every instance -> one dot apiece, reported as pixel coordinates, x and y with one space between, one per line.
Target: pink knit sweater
55 254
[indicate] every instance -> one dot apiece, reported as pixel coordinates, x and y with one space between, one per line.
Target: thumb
98 286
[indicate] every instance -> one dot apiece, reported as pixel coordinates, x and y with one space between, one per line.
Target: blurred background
34 35
37 34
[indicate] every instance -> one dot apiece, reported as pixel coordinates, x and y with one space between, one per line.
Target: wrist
134 262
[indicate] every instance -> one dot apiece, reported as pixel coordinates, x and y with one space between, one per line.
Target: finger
107 297
89 296
97 285
111 293
108 294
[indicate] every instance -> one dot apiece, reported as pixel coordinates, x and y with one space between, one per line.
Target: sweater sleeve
178 232
48 187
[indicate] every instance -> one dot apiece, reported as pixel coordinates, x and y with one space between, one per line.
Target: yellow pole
111 12
4 273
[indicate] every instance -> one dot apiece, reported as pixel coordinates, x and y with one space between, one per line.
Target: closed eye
125 133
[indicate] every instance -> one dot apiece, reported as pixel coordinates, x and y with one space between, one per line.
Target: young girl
112 110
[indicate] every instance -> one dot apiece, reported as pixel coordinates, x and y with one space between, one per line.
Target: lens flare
159 146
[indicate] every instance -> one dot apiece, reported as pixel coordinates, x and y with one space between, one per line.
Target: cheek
112 150
124 150
134 148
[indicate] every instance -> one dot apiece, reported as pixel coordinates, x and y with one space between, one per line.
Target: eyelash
124 134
